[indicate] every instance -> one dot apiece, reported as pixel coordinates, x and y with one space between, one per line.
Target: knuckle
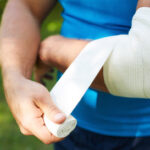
43 52
53 109
42 94
26 123
55 139
24 132
41 99
47 142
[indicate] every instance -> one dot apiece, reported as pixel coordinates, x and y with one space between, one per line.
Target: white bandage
70 88
61 130
127 71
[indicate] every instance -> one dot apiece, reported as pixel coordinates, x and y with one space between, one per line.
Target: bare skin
19 44
59 52
143 3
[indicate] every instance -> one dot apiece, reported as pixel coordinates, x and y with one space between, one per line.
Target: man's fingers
33 124
25 131
39 130
46 104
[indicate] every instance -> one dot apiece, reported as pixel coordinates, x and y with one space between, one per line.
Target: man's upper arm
39 8
143 3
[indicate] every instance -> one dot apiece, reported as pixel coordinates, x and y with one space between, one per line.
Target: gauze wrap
126 60
127 71
70 88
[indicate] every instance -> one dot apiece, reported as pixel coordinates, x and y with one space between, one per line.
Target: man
28 100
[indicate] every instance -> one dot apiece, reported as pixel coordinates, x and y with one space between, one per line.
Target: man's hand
56 51
28 102
60 52
19 44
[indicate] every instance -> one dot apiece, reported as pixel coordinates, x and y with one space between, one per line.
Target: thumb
45 103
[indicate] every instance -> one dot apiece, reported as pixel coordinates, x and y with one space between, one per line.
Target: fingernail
59 116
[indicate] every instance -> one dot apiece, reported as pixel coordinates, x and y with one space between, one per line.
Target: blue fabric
81 139
100 112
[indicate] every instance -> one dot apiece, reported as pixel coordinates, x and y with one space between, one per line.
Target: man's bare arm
20 34
60 52
19 43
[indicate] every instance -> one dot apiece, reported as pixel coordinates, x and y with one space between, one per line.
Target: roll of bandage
62 130
70 88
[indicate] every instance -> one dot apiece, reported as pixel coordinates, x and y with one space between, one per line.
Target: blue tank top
98 111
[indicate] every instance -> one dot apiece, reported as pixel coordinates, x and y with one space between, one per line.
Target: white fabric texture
61 130
70 88
127 71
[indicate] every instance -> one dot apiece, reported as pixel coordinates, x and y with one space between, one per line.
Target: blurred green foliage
2 5
10 136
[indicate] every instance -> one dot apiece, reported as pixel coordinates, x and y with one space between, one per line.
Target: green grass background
10 136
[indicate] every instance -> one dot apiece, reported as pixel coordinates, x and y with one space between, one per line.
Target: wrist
7 70
11 82
11 75
73 49
60 52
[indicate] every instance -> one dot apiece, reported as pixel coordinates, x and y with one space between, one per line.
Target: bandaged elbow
127 71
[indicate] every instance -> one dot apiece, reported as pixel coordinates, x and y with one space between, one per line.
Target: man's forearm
62 56
19 39
19 42
60 52
20 34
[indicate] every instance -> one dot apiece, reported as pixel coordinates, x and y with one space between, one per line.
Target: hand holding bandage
127 71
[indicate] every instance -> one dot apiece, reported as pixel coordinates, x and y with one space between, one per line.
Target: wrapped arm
127 71
123 71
